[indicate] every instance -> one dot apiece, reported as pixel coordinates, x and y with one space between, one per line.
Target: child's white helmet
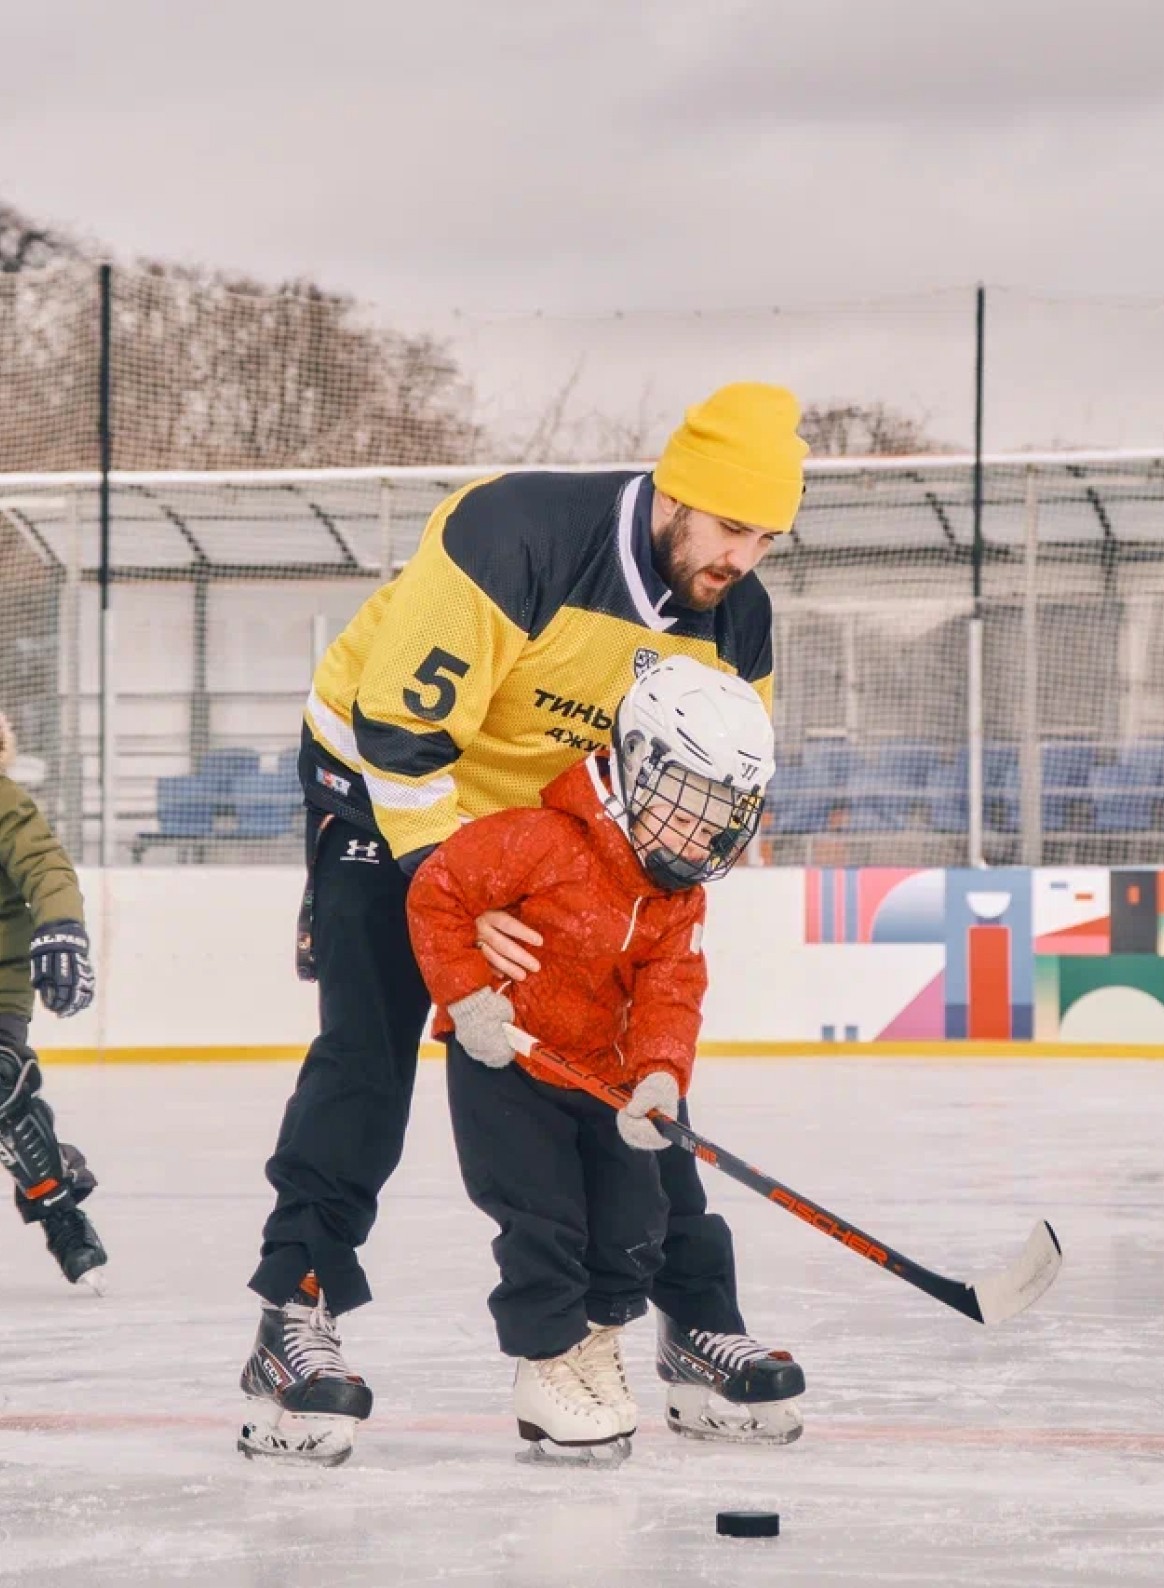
689 738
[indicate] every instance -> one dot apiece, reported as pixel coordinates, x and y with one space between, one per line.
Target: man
464 686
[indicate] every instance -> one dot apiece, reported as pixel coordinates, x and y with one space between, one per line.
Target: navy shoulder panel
525 539
744 629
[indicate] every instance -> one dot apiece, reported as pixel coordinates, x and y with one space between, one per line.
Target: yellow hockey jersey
499 654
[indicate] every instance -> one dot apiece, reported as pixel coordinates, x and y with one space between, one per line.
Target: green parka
37 882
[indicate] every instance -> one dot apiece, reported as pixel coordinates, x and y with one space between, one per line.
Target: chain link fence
916 725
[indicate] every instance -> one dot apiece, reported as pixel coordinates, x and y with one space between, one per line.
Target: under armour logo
368 852
645 659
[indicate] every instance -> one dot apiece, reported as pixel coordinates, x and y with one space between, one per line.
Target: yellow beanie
738 456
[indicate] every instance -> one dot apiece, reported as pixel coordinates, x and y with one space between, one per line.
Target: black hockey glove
61 970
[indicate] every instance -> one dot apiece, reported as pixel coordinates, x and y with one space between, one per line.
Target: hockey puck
747 1524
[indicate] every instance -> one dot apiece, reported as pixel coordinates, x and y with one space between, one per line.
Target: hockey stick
991 1300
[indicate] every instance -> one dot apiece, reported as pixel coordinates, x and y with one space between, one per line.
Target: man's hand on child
499 937
61 969
479 1019
658 1090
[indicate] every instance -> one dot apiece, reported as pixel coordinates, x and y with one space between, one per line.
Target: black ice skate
728 1386
303 1401
74 1243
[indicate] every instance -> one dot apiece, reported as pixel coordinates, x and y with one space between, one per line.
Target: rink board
194 963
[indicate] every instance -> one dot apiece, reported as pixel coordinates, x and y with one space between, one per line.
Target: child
609 871
43 946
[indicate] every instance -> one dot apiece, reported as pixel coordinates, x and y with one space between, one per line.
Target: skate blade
765 1423
296 1438
291 1455
93 1280
545 1453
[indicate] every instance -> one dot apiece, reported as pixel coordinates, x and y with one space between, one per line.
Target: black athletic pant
80 1178
343 1130
581 1215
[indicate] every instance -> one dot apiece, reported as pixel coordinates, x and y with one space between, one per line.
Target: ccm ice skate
303 1401
728 1386
562 1417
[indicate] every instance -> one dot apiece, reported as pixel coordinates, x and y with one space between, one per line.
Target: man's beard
679 570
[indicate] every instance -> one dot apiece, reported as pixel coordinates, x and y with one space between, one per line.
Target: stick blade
1030 1276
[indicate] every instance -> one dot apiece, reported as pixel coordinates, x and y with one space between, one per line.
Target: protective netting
222 593
872 597
223 590
894 376
877 690
203 372
1073 667
50 343
208 371
162 724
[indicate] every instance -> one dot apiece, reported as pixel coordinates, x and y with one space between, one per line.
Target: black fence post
975 671
105 446
979 383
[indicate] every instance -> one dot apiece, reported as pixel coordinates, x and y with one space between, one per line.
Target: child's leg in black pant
531 1157
628 1219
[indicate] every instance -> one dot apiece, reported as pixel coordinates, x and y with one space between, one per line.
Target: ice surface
936 1452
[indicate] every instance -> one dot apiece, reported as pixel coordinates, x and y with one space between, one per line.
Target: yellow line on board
707 1050
206 1055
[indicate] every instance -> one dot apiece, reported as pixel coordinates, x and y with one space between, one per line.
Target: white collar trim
643 605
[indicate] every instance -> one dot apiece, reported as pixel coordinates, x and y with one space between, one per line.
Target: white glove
658 1090
479 1019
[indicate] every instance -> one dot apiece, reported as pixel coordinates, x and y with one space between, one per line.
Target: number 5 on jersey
434 673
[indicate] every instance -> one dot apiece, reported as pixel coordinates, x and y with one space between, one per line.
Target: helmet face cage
657 790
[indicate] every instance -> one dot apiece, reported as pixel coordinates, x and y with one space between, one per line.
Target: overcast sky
514 155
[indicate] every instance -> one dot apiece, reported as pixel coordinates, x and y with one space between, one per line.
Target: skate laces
65 1228
563 1377
732 1351
600 1357
312 1341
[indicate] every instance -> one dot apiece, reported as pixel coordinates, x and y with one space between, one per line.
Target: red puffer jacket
622 976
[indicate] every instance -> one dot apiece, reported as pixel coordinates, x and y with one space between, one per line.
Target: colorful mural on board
1071 955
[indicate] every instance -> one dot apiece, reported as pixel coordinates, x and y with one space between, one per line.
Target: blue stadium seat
1000 812
870 814
792 778
288 763
1133 766
1000 767
801 813
951 814
264 804
829 761
185 808
899 764
1124 812
1072 812
1067 764
1146 756
947 776
218 768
